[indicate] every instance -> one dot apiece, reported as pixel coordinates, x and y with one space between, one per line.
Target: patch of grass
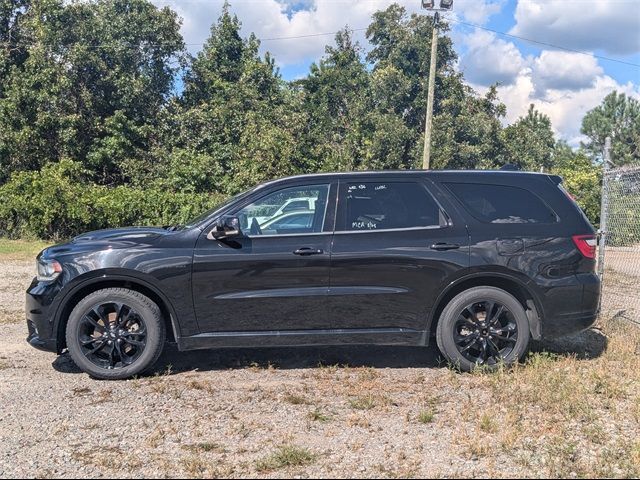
204 447
358 421
426 416
104 396
81 391
286 456
316 415
488 424
294 399
549 382
200 385
196 467
20 249
367 374
107 457
364 402
257 367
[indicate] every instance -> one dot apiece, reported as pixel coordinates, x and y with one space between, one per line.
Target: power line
296 37
311 35
601 57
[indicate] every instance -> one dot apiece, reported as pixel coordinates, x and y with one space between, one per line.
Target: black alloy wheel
115 333
486 332
112 335
483 326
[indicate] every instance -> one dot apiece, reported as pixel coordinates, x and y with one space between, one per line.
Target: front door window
295 210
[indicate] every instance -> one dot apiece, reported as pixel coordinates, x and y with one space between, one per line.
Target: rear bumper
570 309
568 325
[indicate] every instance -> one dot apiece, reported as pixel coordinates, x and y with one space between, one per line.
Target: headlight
48 270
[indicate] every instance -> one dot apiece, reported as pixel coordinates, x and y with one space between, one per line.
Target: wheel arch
512 285
91 285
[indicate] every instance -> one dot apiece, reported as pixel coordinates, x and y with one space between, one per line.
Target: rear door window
502 203
370 206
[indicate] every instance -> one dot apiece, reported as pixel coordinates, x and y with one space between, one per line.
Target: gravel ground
330 412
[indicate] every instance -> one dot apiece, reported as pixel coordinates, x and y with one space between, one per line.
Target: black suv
484 261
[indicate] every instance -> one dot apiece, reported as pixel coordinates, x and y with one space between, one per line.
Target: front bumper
40 307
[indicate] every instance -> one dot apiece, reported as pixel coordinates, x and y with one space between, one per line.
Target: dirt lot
572 410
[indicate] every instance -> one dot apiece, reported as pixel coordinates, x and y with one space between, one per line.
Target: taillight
586 244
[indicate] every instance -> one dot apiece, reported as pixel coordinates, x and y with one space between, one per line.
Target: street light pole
445 5
426 160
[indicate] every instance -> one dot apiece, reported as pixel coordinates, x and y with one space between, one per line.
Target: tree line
106 119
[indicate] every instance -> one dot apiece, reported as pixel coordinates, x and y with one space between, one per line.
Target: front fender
91 281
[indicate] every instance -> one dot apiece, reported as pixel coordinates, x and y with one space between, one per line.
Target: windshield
203 216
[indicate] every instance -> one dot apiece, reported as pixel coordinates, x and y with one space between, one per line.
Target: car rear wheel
483 326
115 333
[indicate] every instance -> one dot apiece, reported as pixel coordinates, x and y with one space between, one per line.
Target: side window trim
445 220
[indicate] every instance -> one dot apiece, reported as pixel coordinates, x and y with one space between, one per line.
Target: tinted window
502 204
389 205
267 216
296 205
291 221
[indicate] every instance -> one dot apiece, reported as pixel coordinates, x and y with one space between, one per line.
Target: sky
563 84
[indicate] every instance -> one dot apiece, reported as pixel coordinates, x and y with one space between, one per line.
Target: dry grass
286 456
317 415
560 415
295 399
426 416
20 250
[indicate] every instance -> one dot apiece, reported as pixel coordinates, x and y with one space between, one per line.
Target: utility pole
445 5
428 124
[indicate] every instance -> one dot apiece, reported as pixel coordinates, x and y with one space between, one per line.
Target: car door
394 249
271 279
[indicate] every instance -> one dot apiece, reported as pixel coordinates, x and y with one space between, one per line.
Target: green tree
233 118
466 132
400 55
618 116
466 126
529 142
337 105
13 50
582 178
94 79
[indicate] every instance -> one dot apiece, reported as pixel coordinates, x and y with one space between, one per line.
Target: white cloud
290 18
609 25
565 108
477 12
554 70
489 60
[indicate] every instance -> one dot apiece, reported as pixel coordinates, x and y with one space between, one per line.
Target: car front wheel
115 333
483 326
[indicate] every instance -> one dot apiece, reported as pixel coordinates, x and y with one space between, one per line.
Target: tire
466 334
123 327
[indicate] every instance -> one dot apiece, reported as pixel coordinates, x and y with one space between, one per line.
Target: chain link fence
619 255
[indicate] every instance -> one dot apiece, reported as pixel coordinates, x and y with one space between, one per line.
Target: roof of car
429 173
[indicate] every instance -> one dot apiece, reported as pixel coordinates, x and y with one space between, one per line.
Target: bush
59 202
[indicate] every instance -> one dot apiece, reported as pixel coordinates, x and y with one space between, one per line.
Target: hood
129 234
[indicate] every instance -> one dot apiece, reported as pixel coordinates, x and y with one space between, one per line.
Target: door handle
444 246
306 251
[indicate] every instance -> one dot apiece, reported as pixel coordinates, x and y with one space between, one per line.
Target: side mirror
226 227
